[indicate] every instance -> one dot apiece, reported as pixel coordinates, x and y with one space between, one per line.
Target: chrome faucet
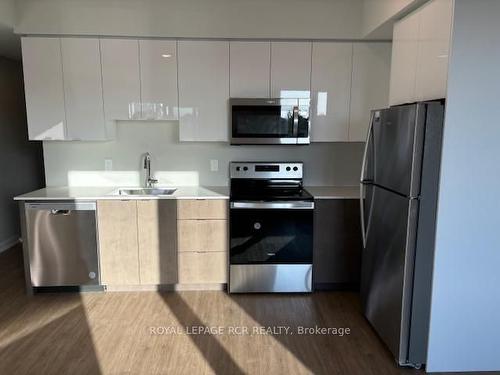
149 182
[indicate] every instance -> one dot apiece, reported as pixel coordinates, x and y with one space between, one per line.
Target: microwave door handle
296 121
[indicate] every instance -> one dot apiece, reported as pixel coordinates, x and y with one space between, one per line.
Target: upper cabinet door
121 79
203 90
250 69
404 60
434 45
331 89
43 80
370 85
158 64
291 69
83 89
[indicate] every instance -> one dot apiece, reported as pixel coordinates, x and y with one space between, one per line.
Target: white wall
379 16
465 311
7 12
193 18
312 19
325 163
20 161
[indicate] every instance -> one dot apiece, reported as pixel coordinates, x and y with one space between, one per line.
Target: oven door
271 233
269 121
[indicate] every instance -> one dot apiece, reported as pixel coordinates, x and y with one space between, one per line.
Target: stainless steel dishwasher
62 242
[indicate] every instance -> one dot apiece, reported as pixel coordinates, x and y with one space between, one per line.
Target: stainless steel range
271 228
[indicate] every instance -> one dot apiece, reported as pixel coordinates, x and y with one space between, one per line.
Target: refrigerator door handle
365 225
362 208
362 179
367 145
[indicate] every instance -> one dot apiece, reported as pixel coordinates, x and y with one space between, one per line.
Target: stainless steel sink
146 191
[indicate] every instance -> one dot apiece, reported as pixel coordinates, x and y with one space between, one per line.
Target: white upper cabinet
76 87
420 54
433 50
83 89
64 89
203 90
404 60
158 65
331 89
44 90
250 69
370 85
121 79
291 69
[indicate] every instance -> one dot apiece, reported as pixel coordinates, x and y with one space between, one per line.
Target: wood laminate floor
141 332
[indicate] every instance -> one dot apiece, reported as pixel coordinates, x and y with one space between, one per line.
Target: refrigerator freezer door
387 268
397 155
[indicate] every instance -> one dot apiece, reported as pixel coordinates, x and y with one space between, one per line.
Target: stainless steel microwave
269 121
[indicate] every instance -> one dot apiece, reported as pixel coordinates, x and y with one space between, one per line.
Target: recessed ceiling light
166 55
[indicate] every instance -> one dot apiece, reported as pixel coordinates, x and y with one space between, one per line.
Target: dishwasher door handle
62 206
60 212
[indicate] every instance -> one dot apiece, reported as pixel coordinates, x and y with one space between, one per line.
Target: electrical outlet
214 165
108 164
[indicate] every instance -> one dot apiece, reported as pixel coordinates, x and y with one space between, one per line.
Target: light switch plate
214 165
108 164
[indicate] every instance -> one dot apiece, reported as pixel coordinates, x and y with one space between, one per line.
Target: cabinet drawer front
197 268
202 235
202 209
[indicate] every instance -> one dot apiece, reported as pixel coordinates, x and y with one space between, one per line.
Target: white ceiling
337 19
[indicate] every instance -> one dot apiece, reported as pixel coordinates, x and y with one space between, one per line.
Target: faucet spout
149 182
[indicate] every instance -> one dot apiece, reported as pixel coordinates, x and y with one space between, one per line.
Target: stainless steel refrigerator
399 187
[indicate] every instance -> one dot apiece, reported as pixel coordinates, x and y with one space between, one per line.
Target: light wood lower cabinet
156 223
202 235
202 239
202 209
201 268
117 225
142 242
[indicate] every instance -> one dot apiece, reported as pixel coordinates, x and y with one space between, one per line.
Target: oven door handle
297 205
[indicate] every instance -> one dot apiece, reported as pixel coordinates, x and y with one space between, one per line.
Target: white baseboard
8 243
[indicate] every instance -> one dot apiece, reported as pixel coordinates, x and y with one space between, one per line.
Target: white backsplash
187 163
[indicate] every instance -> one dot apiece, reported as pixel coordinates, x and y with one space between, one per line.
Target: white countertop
182 192
94 193
334 192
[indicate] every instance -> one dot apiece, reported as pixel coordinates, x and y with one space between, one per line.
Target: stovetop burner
260 181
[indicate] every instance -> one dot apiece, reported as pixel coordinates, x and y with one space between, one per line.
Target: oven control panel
266 170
